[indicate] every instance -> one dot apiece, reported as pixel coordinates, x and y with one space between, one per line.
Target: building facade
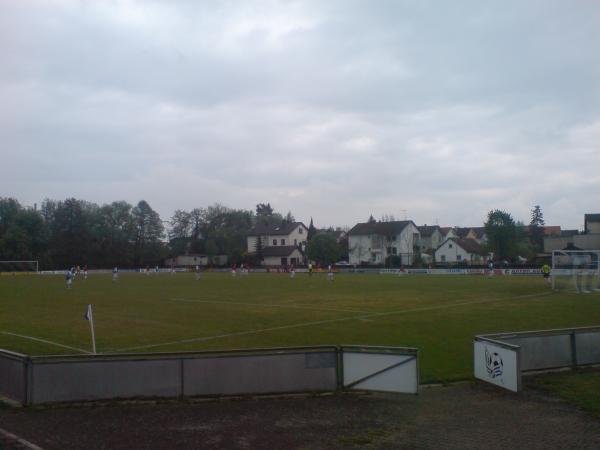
374 242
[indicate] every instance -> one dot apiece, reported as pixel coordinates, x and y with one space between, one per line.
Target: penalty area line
269 305
323 322
57 344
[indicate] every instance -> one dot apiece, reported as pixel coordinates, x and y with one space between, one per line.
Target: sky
434 111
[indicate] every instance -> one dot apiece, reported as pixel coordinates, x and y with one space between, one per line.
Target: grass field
162 312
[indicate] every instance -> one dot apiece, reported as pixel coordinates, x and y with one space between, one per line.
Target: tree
311 231
536 232
289 217
266 215
501 232
148 232
323 248
259 251
70 233
371 219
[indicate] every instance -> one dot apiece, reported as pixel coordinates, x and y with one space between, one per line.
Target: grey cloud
335 110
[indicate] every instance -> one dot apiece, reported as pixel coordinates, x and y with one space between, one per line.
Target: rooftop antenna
404 211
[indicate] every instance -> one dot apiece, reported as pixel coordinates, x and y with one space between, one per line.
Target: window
283 242
393 238
459 257
300 230
394 251
389 250
274 241
284 261
449 245
373 257
296 242
443 258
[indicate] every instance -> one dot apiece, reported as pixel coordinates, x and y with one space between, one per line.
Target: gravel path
459 416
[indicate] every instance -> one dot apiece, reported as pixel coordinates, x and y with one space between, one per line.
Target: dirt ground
468 415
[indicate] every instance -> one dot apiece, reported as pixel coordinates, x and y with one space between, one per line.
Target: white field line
31 338
19 440
268 305
326 321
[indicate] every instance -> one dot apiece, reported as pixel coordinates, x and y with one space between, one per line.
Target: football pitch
439 315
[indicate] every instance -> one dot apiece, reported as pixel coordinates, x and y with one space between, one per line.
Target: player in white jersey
329 273
69 278
115 274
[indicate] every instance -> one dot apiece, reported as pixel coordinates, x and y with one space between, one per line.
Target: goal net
576 271
18 266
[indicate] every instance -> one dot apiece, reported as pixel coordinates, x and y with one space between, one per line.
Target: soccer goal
18 266
576 271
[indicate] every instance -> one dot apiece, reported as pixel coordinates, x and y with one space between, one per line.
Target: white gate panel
497 364
381 372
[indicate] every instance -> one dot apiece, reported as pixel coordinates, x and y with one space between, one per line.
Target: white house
431 237
282 256
373 242
454 250
280 244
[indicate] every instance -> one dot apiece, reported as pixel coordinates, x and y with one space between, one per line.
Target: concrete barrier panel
94 380
588 347
543 352
12 378
249 374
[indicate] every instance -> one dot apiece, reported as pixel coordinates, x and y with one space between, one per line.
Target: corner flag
89 316
88 313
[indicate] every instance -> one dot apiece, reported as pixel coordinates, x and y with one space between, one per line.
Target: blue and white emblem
493 364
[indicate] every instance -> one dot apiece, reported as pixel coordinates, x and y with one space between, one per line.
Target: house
282 255
456 250
280 244
477 234
566 239
431 237
448 232
591 224
373 242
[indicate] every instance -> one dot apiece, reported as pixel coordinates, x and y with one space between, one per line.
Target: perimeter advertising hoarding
497 364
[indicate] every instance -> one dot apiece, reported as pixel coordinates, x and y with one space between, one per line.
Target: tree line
63 233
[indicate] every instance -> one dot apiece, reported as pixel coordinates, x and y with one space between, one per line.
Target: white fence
47 379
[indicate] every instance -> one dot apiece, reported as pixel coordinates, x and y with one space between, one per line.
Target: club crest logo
493 364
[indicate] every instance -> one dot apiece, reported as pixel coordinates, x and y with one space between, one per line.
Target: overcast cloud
335 109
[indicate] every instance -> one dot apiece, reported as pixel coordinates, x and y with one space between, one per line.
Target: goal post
11 267
576 271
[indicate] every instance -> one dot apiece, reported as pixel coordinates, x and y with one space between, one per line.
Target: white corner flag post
89 316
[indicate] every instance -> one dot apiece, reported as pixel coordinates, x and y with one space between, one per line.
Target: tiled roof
381 228
281 229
